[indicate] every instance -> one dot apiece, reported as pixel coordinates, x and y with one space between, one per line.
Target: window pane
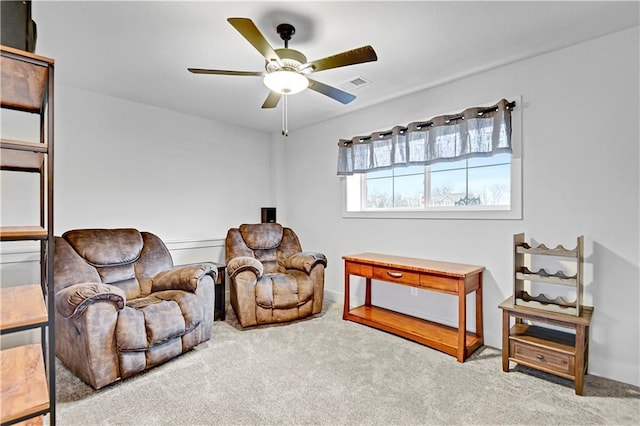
409 191
447 187
380 173
491 184
379 193
409 170
448 165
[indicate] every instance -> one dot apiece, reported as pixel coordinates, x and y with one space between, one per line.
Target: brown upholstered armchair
272 279
122 307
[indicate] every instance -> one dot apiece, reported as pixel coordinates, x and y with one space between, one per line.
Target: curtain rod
511 105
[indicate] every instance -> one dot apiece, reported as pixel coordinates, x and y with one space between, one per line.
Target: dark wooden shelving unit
27 372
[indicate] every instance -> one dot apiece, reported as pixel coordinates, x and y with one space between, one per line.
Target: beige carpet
326 371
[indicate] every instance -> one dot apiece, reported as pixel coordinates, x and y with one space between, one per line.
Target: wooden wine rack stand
529 342
27 373
522 275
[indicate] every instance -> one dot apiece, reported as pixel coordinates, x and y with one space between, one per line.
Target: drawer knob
539 356
394 274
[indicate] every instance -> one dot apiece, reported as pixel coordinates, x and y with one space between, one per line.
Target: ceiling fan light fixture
286 82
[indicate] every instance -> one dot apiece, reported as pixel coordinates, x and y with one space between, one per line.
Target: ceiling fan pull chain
285 118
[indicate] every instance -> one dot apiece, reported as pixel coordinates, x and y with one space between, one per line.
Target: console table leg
462 321
367 292
479 324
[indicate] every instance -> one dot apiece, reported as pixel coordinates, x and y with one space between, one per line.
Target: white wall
120 163
580 176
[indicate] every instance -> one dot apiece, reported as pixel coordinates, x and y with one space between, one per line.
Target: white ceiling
140 51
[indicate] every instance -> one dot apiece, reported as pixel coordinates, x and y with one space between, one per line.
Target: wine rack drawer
544 358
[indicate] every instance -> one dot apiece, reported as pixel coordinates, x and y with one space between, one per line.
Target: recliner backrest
270 243
125 258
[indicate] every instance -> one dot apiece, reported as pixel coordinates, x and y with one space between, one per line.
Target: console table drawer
550 360
359 269
438 283
396 275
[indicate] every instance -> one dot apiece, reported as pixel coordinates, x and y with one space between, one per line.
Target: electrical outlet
414 291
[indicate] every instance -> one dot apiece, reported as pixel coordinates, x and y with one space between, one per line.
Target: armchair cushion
73 300
244 263
182 278
262 236
283 291
305 261
157 318
99 248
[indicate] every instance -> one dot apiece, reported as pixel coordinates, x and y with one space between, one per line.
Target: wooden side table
220 292
564 354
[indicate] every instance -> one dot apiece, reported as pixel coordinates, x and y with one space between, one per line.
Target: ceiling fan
287 70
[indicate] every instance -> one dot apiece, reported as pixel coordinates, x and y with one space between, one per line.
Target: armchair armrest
73 300
305 261
244 263
183 277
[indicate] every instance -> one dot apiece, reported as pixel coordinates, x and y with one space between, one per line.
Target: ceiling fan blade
248 29
350 57
225 72
332 92
272 100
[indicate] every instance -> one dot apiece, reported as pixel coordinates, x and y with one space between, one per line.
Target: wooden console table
451 278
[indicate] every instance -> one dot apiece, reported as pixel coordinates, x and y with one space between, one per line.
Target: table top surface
586 312
414 264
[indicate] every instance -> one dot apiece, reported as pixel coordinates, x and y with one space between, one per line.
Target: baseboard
625 373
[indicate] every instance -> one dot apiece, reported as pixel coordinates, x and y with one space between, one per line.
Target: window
473 187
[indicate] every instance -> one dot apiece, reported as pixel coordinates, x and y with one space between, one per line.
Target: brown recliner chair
272 279
122 307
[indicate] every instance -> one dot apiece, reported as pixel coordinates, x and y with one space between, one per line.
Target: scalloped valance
475 132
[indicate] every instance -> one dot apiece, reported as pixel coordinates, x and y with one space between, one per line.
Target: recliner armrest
73 300
305 261
244 263
183 277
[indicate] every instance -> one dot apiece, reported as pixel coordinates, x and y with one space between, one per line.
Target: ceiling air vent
354 83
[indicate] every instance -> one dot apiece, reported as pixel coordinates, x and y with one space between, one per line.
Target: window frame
514 212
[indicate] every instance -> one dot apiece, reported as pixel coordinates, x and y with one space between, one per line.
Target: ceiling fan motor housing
292 60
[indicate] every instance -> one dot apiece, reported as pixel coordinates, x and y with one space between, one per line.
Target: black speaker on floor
268 215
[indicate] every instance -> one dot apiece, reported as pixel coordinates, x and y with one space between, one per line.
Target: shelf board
23 145
22 307
33 421
23 81
570 282
558 251
584 318
21 161
23 382
19 233
544 338
437 336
